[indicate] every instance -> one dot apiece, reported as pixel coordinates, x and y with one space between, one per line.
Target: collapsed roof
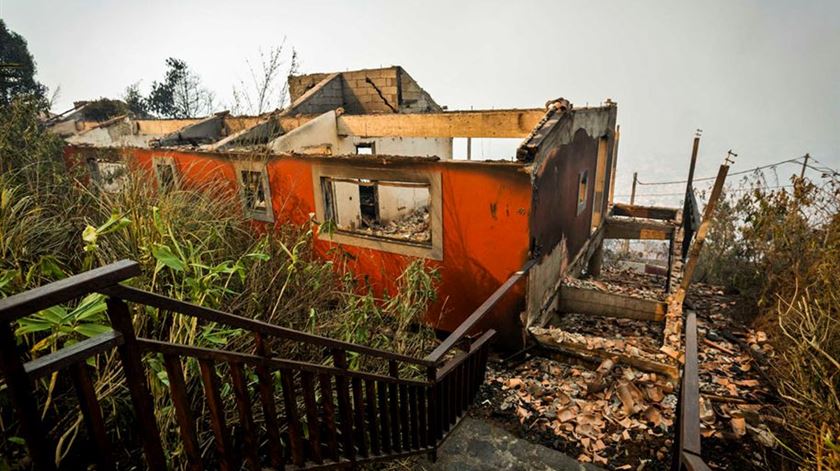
336 113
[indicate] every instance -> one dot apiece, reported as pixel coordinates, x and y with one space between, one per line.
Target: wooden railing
687 441
324 415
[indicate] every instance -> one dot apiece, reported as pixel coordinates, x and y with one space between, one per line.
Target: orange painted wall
486 211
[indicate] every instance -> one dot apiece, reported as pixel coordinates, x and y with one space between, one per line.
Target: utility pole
804 166
695 148
632 202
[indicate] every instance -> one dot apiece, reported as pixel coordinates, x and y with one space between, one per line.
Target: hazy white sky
760 77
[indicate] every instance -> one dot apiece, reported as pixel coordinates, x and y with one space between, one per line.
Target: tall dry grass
781 249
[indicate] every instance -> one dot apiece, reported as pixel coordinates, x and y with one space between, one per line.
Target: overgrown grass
193 245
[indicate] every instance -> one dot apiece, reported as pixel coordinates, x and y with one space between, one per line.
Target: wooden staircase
324 415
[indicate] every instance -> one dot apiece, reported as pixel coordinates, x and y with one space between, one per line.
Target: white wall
323 131
398 201
319 132
348 212
406 146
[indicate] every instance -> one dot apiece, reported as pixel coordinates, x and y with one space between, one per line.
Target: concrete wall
322 132
369 91
122 133
316 134
361 95
414 99
326 95
409 146
300 84
558 229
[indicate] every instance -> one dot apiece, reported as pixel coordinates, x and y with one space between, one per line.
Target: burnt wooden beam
271 330
638 229
648 212
597 355
599 303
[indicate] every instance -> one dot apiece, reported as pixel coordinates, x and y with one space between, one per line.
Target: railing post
266 387
432 411
344 407
22 395
135 378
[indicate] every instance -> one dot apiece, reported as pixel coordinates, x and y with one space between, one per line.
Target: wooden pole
708 215
632 202
694 149
804 166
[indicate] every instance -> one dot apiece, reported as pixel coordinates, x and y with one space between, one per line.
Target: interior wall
318 133
396 202
408 146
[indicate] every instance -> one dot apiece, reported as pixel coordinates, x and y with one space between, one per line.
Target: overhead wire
741 172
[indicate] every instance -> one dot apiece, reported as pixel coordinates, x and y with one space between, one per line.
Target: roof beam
638 229
485 123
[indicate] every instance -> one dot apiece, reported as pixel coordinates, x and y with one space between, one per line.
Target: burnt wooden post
694 150
22 395
135 378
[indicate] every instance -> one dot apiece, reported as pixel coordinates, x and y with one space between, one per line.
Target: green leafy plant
66 325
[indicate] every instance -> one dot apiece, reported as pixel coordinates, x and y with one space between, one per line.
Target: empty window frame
365 148
166 173
391 210
110 176
255 193
583 190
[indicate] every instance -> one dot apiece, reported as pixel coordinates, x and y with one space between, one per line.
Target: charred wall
569 150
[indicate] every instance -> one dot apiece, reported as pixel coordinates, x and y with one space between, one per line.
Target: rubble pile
603 412
634 337
624 282
626 341
736 400
413 227
627 279
621 417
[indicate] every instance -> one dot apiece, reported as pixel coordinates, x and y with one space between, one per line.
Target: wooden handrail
380 417
469 323
688 442
28 302
213 315
158 346
454 362
74 354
